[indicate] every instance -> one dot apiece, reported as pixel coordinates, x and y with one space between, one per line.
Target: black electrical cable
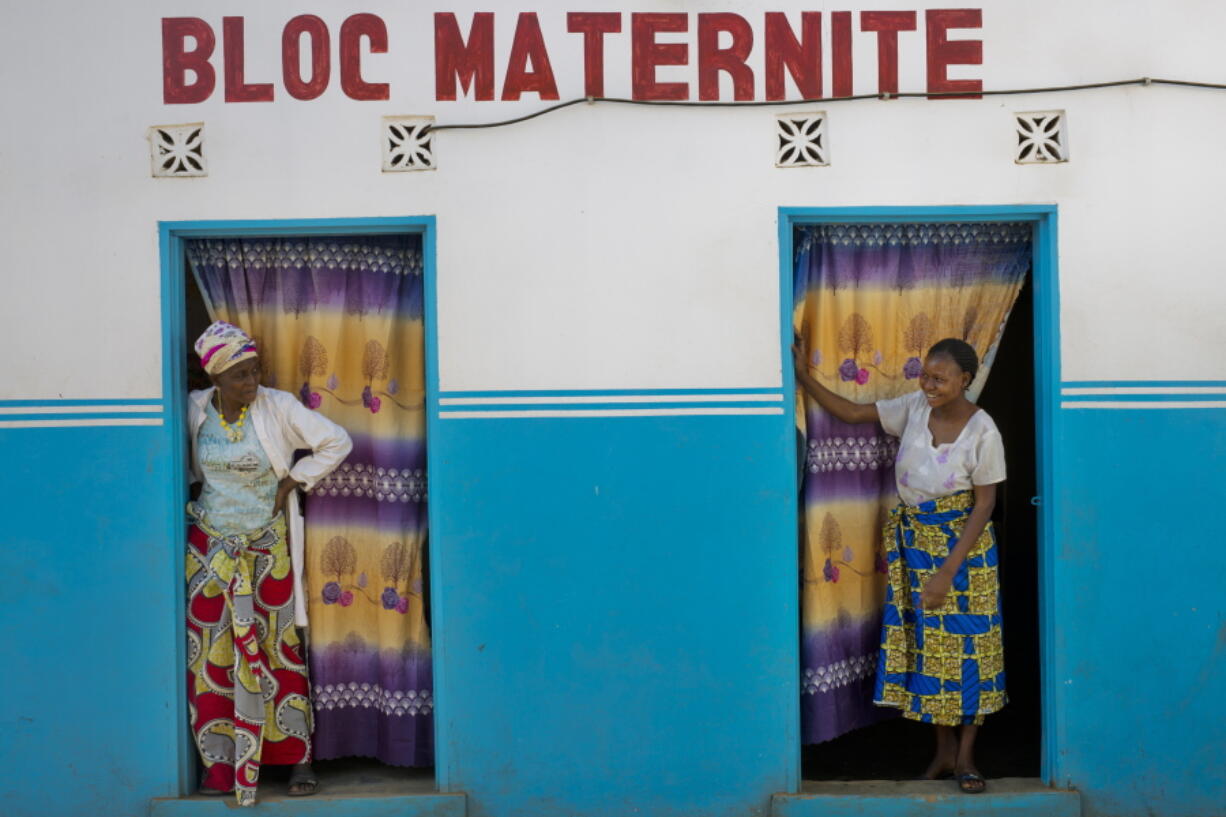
1054 89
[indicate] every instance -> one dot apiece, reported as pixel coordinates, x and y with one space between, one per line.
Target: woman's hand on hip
284 488
936 590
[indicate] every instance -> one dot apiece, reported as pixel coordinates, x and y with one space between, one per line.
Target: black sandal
972 783
302 775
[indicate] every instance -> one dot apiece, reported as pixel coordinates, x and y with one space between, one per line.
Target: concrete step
1008 797
320 805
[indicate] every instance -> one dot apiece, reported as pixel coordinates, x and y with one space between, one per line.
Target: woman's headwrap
222 345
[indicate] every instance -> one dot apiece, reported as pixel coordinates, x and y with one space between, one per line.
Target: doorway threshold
352 787
1008 797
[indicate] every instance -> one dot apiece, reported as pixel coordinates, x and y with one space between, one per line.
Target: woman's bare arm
932 595
840 407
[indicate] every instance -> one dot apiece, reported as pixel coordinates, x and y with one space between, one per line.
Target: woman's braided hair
960 352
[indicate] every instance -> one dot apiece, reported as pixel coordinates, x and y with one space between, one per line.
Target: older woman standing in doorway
941 659
248 693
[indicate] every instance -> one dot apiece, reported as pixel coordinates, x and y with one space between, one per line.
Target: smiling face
942 380
240 383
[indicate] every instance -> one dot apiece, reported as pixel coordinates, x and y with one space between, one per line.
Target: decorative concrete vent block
178 150
802 140
408 143
1042 137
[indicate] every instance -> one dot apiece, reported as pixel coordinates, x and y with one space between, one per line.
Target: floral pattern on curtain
339 322
870 299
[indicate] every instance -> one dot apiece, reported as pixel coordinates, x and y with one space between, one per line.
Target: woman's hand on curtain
839 406
800 358
800 361
285 487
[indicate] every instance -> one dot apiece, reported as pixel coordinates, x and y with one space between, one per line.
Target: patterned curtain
869 301
339 322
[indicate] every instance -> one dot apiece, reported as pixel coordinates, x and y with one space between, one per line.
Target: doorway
1017 396
400 565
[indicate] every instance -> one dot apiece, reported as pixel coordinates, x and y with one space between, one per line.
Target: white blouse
925 471
283 425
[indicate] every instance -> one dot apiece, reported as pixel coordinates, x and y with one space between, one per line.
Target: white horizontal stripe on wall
1144 404
98 409
1076 391
629 412
611 398
93 422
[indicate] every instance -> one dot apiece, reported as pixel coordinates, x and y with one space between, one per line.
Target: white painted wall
603 246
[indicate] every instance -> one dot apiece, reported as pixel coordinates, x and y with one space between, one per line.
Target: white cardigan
283 425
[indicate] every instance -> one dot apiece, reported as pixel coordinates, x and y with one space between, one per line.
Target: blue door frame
1044 279
172 235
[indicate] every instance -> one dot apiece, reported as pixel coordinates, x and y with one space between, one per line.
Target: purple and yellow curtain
869 301
339 322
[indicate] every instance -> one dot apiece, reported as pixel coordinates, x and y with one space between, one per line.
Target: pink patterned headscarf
222 345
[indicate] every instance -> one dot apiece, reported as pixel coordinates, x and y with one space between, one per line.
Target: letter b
177 60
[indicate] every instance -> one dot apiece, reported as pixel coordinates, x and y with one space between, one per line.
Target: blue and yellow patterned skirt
941 666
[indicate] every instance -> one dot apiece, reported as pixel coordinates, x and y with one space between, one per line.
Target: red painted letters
470 64
177 60
943 53
802 59
646 54
291 56
464 63
840 52
529 45
887 24
237 87
594 25
712 59
352 32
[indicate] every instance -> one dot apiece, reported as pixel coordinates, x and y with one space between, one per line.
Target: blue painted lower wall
1141 611
616 616
89 696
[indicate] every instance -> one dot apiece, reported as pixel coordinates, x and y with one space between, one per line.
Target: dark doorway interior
196 320
1009 743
